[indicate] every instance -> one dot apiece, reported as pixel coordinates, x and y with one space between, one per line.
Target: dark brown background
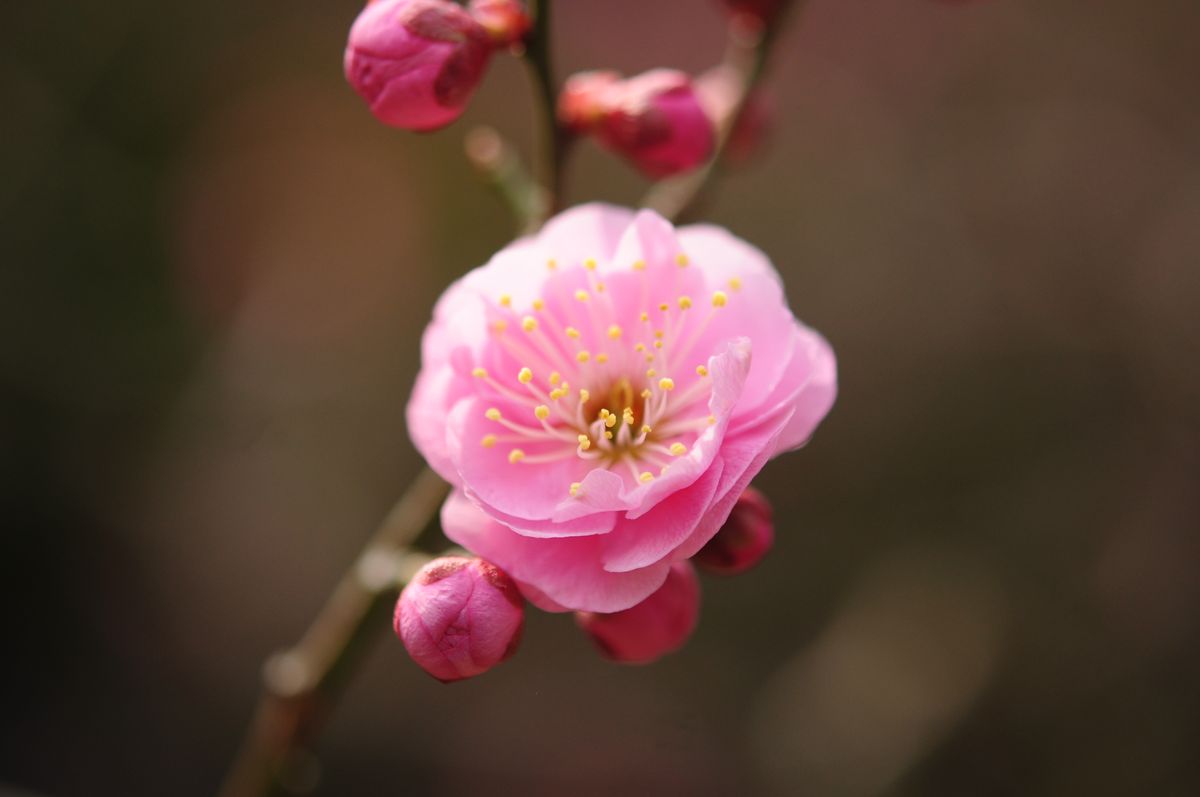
215 267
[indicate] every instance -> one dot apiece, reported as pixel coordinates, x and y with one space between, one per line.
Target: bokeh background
214 269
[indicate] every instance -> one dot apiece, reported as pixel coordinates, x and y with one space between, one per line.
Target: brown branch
300 684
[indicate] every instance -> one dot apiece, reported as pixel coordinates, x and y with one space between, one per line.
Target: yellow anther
735 284
681 259
583 356
557 393
542 412
601 357
492 414
644 316
584 395
608 435
720 299
678 449
646 393
651 373
539 305
524 376
658 344
528 323
488 440
701 370
610 421
516 455
551 264
555 378
575 488
646 429
639 265
572 333
479 373
712 419
685 302
646 476
500 326
639 348
564 385
664 307
658 333
599 287
590 264
614 332
505 300
585 442
628 416
581 295
666 383
649 358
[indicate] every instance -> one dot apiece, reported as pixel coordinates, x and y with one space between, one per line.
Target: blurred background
214 269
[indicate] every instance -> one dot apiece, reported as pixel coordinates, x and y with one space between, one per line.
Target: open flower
601 394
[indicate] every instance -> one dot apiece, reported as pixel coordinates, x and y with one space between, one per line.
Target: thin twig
555 140
498 163
300 684
748 54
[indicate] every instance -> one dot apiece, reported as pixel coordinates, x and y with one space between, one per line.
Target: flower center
597 381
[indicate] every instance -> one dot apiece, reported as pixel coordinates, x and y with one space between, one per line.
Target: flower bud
657 122
658 625
585 99
506 21
459 617
762 11
416 62
745 538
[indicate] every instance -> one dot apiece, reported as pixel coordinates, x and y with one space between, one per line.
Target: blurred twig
299 684
748 53
499 165
555 140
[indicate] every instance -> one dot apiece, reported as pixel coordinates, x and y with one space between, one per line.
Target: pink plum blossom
601 393
416 62
459 617
653 628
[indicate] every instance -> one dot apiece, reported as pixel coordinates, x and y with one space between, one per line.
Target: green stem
301 684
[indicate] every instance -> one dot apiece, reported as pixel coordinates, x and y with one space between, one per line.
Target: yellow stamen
601 357
646 429
599 287
701 370
551 264
590 264
712 419
575 488
584 395
585 442
644 316
681 259
651 373
664 307
658 344
525 376
581 295
639 265
492 414
685 302
557 393
499 326
528 323
488 440
609 435
666 383
539 305
614 332
583 356
735 284
678 449
646 476
542 412
479 373
555 377
572 333
639 348
646 393
505 300
720 299
516 455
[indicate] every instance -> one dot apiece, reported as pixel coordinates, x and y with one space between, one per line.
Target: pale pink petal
566 571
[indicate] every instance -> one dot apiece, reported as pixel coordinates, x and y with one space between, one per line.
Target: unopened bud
658 625
745 538
459 617
506 21
416 62
585 99
657 122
